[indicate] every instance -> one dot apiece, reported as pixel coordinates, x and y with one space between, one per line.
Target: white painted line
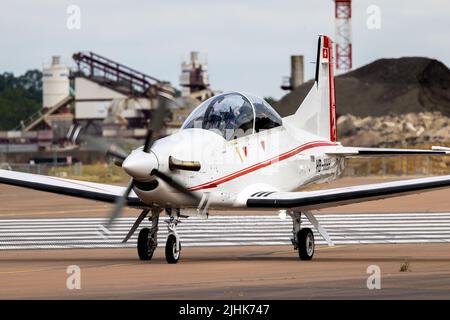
63 233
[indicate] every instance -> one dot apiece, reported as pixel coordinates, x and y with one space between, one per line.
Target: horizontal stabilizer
439 148
385 152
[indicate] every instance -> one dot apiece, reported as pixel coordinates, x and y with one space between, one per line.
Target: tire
171 245
305 244
145 251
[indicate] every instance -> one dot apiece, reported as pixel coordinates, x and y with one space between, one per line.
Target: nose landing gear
173 244
148 241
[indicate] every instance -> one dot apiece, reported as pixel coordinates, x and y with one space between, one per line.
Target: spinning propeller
136 164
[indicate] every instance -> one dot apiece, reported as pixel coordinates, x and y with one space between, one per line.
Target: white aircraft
235 151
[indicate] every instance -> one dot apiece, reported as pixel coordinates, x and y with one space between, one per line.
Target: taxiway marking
344 229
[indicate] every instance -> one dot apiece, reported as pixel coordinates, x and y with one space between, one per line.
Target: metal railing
118 76
44 168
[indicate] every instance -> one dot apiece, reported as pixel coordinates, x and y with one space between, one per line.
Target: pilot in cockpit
233 115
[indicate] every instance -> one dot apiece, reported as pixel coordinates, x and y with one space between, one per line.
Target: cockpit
233 115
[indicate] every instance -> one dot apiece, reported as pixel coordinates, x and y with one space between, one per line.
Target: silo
55 83
296 71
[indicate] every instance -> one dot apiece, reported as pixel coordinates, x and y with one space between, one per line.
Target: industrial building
102 98
194 79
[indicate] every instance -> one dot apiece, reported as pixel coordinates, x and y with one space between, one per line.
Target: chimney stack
296 71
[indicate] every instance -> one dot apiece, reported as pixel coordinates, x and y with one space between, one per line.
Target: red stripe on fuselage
257 166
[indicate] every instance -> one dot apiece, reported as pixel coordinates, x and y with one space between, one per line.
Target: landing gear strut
147 240
173 244
303 238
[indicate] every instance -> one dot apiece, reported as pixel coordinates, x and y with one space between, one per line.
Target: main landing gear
303 238
148 241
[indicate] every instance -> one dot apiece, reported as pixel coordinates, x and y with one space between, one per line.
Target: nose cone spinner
139 165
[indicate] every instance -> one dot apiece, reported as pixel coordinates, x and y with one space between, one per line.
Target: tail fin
317 113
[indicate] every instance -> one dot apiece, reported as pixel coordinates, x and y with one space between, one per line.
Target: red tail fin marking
328 54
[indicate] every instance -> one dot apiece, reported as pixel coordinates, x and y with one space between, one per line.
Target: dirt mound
385 86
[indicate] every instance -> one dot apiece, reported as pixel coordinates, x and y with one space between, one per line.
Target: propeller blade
156 123
175 184
159 116
119 204
109 149
118 163
148 139
114 152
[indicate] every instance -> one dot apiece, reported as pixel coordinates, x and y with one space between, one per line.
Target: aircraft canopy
233 115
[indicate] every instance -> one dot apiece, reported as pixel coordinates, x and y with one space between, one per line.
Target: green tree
20 97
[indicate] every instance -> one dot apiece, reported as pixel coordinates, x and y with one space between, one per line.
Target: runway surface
65 233
228 271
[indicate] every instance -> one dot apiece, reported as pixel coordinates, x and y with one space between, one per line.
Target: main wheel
145 245
172 254
305 239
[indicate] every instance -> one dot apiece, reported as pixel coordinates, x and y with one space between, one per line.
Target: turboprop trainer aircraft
235 151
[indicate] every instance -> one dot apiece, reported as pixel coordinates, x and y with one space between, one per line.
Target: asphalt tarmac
230 273
235 272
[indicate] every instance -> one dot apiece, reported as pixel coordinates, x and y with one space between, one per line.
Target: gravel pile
385 86
411 129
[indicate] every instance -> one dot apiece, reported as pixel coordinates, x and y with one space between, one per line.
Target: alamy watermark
73 281
73 21
374 280
373 21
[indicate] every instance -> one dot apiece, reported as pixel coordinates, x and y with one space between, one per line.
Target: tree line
20 97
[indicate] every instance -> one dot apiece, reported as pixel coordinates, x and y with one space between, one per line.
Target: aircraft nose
139 165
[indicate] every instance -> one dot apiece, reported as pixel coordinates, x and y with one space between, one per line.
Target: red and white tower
343 37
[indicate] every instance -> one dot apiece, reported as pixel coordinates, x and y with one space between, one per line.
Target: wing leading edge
81 189
308 200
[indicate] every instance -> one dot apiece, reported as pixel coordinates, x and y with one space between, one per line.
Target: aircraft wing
308 200
386 152
81 189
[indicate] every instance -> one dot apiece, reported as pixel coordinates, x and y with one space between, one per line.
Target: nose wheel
173 243
172 249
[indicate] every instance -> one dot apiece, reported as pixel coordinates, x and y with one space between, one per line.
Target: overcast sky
247 43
